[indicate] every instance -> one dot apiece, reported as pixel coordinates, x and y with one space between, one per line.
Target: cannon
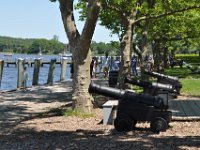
151 88
135 107
161 78
178 62
195 70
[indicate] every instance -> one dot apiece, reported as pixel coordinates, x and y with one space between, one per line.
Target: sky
40 19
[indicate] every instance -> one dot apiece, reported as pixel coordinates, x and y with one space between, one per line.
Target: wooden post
41 63
16 62
36 71
51 72
1 70
63 68
29 62
21 65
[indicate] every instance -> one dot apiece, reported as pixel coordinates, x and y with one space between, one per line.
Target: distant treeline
30 46
53 46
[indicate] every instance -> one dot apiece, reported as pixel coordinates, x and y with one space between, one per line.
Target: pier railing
30 63
21 65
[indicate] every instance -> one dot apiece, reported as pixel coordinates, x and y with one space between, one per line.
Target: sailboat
40 51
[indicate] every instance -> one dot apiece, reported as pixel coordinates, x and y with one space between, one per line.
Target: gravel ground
55 132
71 133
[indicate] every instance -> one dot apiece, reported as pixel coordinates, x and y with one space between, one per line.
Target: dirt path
17 105
20 130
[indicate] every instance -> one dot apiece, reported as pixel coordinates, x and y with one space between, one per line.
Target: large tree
80 46
173 33
123 16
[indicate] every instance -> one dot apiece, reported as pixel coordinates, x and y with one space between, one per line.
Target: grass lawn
190 82
191 87
181 73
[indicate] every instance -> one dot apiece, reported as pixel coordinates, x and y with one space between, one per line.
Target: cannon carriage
135 107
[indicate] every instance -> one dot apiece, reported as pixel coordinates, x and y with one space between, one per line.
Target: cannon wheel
158 124
134 123
123 123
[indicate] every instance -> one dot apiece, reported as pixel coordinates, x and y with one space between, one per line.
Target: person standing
105 64
150 63
134 65
97 66
114 65
72 68
93 67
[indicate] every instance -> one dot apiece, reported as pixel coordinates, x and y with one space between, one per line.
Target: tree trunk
165 57
159 57
125 55
80 45
156 54
145 52
82 100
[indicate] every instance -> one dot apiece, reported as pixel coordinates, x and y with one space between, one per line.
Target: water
9 77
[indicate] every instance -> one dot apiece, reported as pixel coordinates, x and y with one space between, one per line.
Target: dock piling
20 80
36 71
1 70
63 69
51 72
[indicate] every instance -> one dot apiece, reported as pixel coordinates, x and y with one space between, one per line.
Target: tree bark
80 45
145 51
125 55
165 56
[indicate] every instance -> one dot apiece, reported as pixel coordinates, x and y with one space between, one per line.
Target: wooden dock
31 63
185 108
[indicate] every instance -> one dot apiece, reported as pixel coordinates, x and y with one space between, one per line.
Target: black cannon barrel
166 79
145 84
128 95
159 75
137 82
106 91
166 87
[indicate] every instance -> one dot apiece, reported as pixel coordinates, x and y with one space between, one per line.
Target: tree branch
66 8
166 14
90 24
165 38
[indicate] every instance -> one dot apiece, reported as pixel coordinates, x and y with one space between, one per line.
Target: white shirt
105 61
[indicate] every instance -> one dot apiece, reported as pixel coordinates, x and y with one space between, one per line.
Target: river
9 77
